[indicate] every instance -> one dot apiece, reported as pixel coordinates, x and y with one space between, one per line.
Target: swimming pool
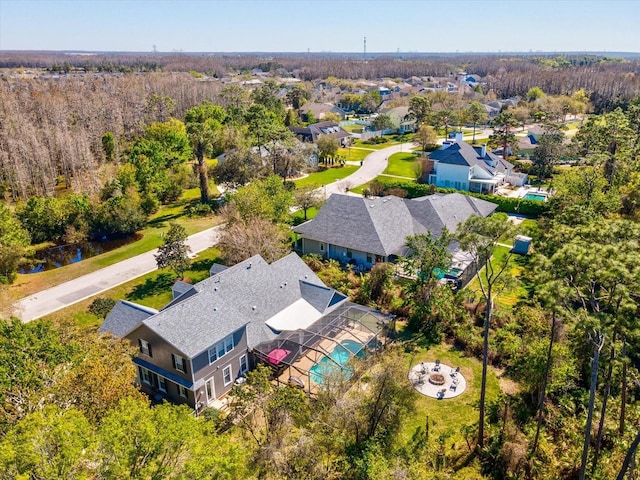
535 196
340 355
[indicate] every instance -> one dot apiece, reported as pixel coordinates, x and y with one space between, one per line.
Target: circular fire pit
436 379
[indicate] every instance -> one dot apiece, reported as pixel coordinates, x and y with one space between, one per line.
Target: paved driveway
374 164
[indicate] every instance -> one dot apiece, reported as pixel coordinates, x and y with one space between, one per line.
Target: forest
550 341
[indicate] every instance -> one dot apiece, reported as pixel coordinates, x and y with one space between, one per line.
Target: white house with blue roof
471 168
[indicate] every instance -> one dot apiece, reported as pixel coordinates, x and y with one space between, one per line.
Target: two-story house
193 350
472 168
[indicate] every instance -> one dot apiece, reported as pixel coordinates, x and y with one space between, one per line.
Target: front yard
403 164
326 177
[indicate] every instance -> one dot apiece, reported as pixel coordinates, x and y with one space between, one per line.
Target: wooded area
549 342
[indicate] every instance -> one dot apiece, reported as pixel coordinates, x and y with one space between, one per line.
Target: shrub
505 204
197 209
101 307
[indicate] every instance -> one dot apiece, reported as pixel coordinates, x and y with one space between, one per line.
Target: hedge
505 204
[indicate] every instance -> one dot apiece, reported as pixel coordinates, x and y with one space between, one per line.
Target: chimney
483 150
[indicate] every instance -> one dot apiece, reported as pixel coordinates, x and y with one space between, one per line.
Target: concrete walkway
61 296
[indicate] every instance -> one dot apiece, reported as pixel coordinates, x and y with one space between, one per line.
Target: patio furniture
442 393
436 367
295 382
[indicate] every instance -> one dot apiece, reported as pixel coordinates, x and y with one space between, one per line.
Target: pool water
340 355
535 196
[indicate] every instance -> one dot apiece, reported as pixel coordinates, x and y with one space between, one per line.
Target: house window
446 183
182 391
220 349
146 376
162 384
322 247
179 363
145 347
226 374
244 366
349 253
369 258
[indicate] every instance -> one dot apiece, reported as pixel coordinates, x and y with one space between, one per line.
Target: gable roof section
461 153
247 294
125 317
381 225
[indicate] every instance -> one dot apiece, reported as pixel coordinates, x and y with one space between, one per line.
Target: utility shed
522 245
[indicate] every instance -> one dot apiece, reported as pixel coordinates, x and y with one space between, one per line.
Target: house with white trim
471 168
195 348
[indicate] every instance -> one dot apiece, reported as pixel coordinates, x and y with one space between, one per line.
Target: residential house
319 110
471 168
310 133
362 231
195 348
402 120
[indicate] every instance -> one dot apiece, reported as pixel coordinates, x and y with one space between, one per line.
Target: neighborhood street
61 296
56 298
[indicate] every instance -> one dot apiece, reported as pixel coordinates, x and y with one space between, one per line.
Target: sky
321 25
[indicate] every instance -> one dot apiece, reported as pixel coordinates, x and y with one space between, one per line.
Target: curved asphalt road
61 296
56 298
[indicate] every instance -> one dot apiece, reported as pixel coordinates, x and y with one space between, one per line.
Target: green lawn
481 140
510 296
152 290
390 142
449 415
27 284
298 215
380 178
403 164
326 177
354 128
353 154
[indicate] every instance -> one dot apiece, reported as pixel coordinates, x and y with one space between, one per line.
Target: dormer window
145 347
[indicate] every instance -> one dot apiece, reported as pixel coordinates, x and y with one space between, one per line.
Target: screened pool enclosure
308 357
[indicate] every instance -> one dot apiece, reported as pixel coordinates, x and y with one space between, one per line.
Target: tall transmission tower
364 56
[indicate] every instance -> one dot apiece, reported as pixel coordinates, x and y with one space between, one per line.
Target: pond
58 256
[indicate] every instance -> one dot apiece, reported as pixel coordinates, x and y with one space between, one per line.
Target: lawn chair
454 372
442 393
436 367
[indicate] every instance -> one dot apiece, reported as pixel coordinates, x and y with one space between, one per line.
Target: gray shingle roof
179 287
124 317
462 153
249 293
217 268
381 225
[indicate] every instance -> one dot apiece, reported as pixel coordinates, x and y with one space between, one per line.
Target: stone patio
437 382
